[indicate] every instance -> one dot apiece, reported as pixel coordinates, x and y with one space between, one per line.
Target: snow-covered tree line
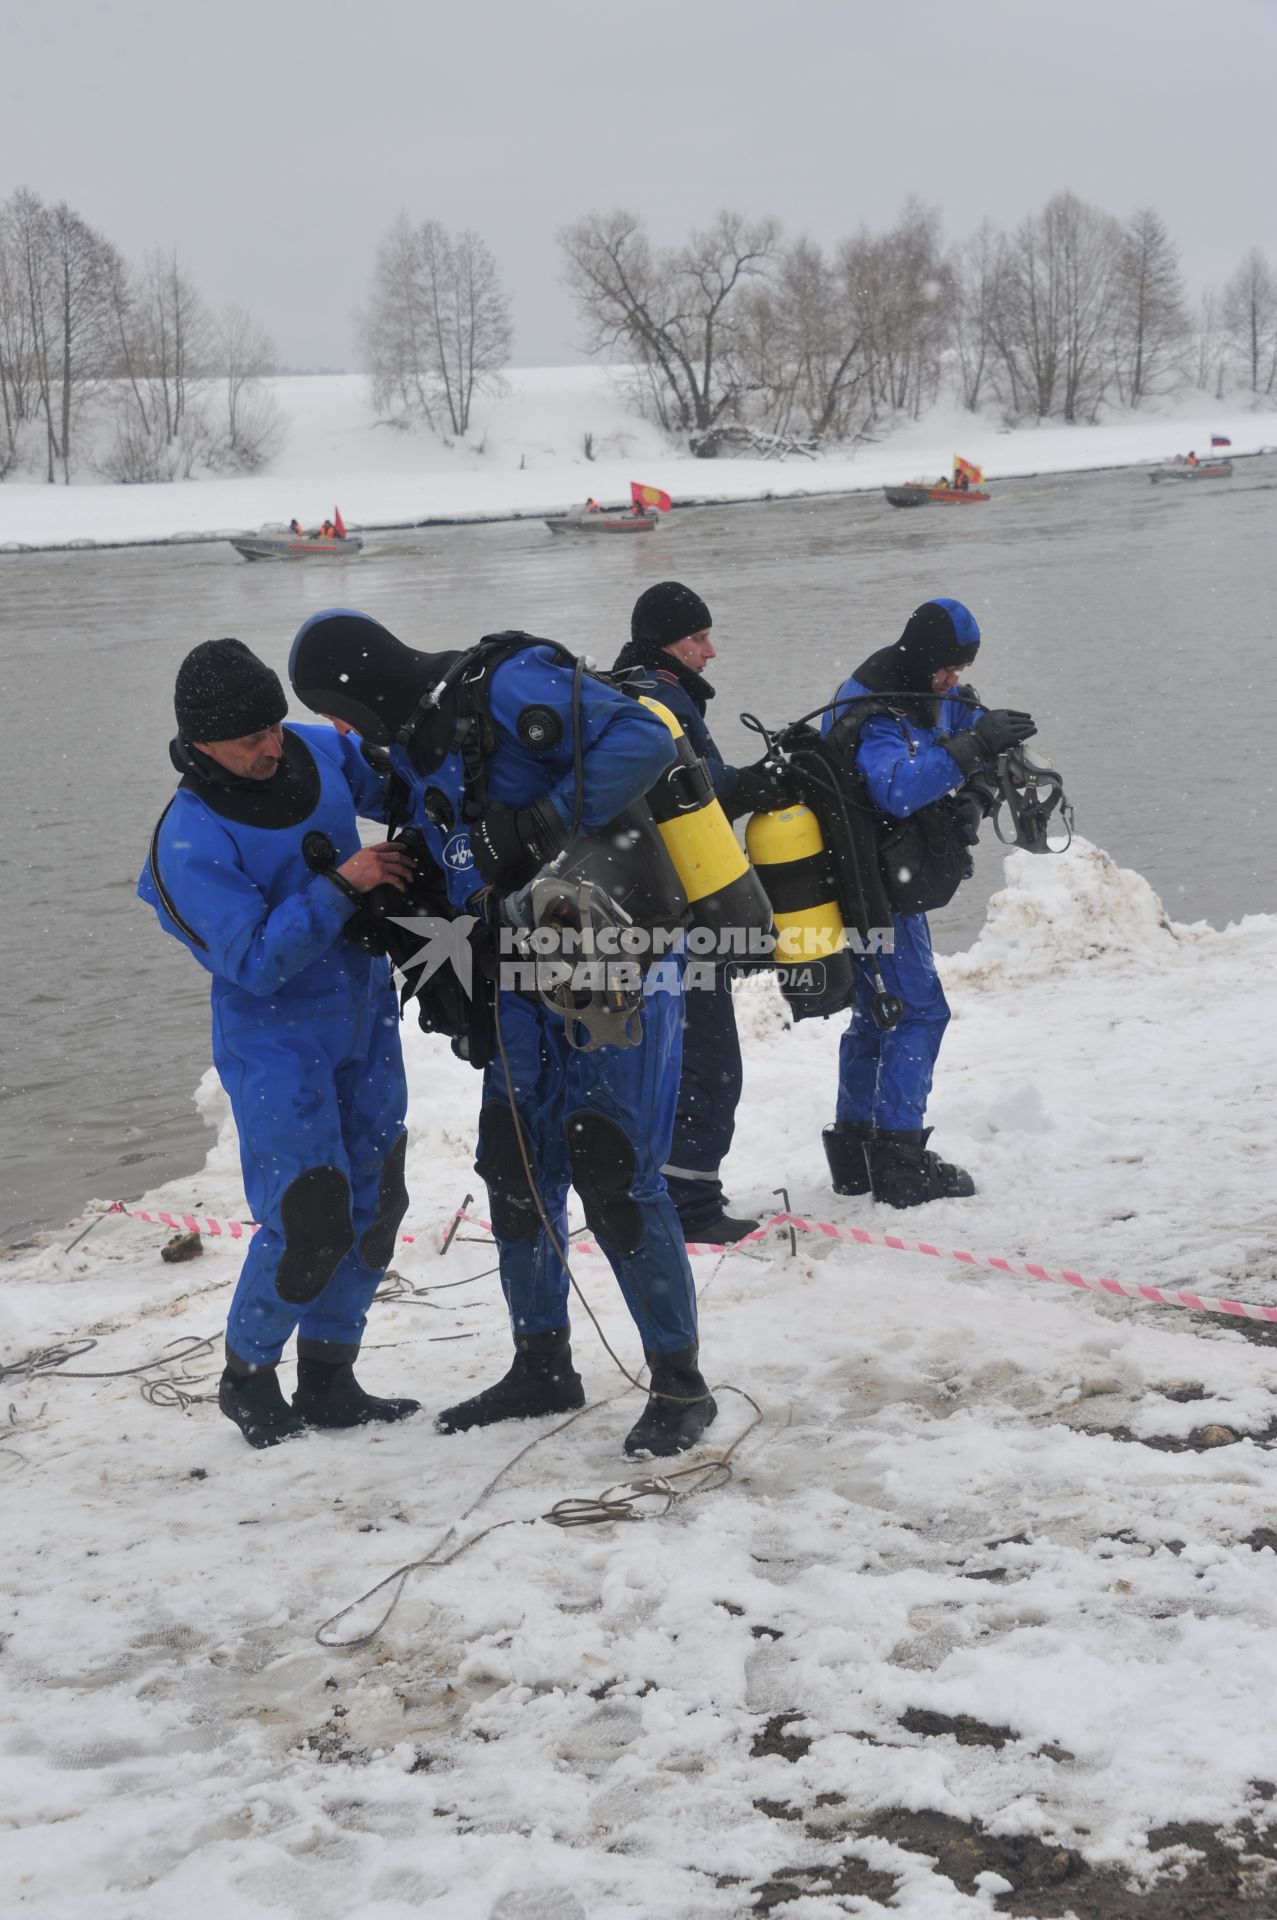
741 336
120 370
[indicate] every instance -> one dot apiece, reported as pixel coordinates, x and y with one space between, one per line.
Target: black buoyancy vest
921 859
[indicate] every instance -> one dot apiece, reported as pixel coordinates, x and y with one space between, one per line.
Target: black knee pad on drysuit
377 1242
315 1216
603 1166
500 1166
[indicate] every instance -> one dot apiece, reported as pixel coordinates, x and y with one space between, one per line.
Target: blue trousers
885 1078
313 1089
619 1104
708 1096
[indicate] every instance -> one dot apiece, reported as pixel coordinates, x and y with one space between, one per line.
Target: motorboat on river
277 541
1181 469
580 521
919 493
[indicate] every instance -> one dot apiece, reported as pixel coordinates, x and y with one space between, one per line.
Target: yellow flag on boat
974 475
649 497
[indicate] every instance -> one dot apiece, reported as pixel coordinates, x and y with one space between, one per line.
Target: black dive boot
904 1174
541 1380
846 1149
255 1402
328 1395
672 1424
724 1230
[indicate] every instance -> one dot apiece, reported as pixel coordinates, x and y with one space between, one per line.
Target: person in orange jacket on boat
592 506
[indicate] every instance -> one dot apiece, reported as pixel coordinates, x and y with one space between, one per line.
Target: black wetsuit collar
656 658
285 800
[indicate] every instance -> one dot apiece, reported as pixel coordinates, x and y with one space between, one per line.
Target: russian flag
1219 440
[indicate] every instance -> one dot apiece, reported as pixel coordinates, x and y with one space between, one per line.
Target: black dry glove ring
342 885
967 749
758 789
509 846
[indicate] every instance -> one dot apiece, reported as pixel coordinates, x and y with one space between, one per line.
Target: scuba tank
818 862
789 854
724 895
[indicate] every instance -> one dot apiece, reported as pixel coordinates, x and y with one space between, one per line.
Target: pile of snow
947 1510
526 455
1071 906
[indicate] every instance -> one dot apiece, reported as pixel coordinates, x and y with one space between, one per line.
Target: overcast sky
273 144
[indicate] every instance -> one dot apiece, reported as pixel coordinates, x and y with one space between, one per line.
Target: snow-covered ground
525 455
963 1621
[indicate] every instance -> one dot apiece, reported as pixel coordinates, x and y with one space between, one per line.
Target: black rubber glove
758 789
995 731
1003 727
973 803
510 846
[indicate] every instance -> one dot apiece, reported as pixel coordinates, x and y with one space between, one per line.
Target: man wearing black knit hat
665 658
257 869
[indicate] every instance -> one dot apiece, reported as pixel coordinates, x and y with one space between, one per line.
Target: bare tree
438 325
801 347
396 328
162 343
1250 321
1057 305
82 265
59 271
899 289
19 392
1210 345
979 278
677 314
251 428
1150 325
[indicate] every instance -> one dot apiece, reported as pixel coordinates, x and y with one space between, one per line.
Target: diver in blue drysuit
918 747
490 760
668 648
256 868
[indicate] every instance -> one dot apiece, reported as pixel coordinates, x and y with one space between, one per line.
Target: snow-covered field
979 1612
525 455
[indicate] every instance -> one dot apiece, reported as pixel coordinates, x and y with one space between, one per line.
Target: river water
1136 622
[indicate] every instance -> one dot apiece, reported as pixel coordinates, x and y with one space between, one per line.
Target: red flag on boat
650 497
1218 440
974 475
339 523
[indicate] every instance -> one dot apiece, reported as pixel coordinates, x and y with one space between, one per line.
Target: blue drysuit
884 1078
305 1041
713 1077
600 1121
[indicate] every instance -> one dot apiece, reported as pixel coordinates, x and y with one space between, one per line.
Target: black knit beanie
224 691
667 613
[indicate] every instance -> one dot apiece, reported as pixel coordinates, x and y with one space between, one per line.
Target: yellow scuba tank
724 894
789 854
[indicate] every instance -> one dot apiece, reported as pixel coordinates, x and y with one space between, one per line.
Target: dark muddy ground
1195 1872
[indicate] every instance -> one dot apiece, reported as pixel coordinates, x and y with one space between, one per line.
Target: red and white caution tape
826 1229
1194 1302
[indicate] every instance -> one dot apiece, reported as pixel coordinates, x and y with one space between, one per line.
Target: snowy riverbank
526 457
978 1591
